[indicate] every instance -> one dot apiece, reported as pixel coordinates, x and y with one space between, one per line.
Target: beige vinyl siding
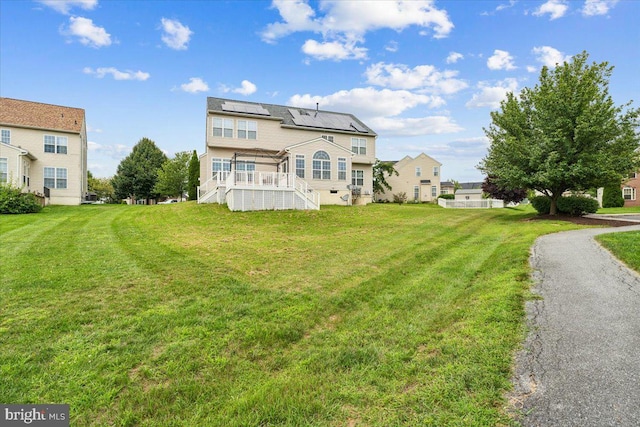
32 140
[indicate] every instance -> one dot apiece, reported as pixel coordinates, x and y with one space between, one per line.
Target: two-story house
43 150
264 156
418 178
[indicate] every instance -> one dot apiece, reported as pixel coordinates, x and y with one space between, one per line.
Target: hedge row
573 205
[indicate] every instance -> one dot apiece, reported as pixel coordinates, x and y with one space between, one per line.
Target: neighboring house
43 150
418 178
264 156
447 187
469 194
470 186
630 190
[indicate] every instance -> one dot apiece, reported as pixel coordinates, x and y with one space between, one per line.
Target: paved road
581 362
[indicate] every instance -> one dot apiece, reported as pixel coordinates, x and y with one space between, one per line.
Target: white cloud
92 129
505 5
430 125
335 50
368 102
531 69
195 85
597 7
176 35
427 77
454 57
246 88
490 96
88 33
555 8
392 46
65 6
549 56
501 60
345 23
117 74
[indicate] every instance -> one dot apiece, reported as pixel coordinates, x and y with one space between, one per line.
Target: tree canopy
173 176
138 172
381 170
563 134
509 195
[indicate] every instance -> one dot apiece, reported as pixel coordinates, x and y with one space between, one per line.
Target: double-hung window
4 169
436 171
247 129
418 171
5 136
321 165
300 165
358 145
629 193
223 127
434 191
55 144
357 177
416 192
55 177
342 168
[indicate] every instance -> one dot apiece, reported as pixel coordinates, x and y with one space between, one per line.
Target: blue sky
425 75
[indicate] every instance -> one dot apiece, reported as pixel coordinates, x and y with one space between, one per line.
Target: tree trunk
553 208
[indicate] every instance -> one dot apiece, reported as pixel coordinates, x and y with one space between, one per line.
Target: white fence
471 204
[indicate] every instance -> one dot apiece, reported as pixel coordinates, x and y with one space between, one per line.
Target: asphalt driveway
580 365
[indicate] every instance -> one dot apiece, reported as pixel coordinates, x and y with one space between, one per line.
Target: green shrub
447 196
13 201
612 196
400 197
542 204
577 206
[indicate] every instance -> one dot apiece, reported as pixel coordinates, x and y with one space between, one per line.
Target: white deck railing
471 204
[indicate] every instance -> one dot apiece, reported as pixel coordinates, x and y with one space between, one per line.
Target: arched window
321 165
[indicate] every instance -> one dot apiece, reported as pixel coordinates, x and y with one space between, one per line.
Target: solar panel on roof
322 119
245 108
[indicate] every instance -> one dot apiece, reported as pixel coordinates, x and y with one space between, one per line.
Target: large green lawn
191 315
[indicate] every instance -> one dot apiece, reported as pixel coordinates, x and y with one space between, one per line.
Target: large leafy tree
138 172
382 170
563 134
173 176
194 176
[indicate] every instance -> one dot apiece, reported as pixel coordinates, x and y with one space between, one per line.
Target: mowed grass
625 246
191 315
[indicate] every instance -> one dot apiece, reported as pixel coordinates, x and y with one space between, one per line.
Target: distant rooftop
470 185
293 116
41 116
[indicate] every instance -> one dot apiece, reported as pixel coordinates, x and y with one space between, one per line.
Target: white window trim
2 137
56 178
418 171
434 191
632 193
303 169
56 144
247 129
222 128
329 138
355 178
436 170
323 163
416 192
342 160
360 145
5 161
